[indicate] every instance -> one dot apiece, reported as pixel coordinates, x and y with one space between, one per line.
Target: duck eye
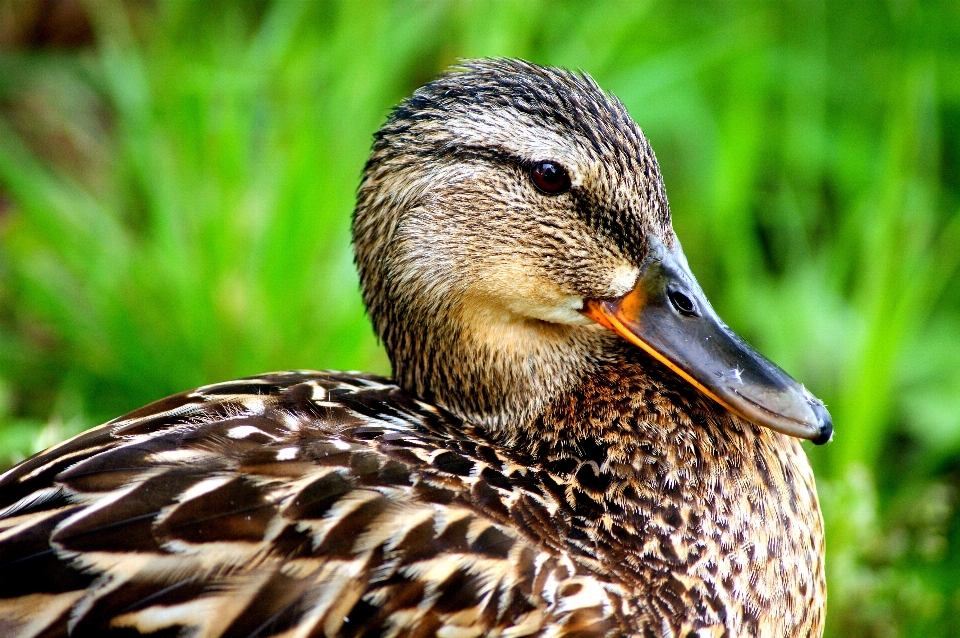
550 178
682 303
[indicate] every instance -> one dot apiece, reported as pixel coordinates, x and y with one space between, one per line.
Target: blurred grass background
176 181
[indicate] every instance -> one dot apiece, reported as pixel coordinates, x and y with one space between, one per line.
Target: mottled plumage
529 473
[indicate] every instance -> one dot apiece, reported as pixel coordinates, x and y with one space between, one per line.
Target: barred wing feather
290 504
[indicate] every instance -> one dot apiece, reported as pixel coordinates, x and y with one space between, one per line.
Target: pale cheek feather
623 280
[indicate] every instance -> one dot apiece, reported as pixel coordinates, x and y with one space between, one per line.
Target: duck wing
288 504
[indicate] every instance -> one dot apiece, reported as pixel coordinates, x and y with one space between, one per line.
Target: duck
572 443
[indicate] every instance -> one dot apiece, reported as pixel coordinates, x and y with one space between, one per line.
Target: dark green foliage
175 201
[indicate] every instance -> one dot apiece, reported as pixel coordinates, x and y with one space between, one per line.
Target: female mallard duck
574 445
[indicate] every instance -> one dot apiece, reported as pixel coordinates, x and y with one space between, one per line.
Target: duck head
513 236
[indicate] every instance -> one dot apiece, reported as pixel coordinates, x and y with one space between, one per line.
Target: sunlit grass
177 201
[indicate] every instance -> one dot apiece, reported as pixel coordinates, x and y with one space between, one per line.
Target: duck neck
500 377
629 405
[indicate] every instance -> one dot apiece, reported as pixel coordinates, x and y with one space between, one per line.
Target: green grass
176 200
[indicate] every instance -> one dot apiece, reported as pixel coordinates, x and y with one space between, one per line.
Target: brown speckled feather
330 504
531 473
287 504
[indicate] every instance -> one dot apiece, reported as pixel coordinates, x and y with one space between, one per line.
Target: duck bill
667 315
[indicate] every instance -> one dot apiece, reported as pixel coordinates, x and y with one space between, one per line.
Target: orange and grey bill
668 316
